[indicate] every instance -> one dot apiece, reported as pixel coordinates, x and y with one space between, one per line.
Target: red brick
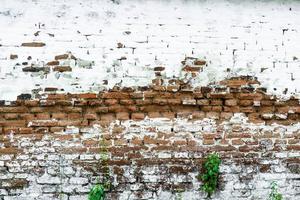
198 114
63 103
160 101
231 102
62 69
174 101
81 102
92 116
203 102
213 115
293 147
122 115
267 109
33 44
220 95
56 96
25 130
208 141
188 68
56 129
43 123
74 116
42 116
250 96
246 102
108 117
138 95
117 108
233 109
11 116
248 109
115 95
95 102
266 102
143 101
101 109
54 62
31 103
237 142
206 108
154 114
169 115
4 151
216 102
126 102
13 109
71 123
173 88
59 115
111 101
137 116
226 115
216 108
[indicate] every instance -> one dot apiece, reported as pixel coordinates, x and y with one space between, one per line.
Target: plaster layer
121 43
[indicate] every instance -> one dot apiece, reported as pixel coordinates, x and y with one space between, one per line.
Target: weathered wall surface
164 82
50 147
123 43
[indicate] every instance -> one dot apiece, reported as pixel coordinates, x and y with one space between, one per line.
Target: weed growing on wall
98 191
274 195
211 173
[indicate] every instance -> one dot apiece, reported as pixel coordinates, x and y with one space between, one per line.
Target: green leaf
211 173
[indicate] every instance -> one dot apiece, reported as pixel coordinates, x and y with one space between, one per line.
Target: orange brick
10 116
122 115
203 102
108 117
138 116
231 102
42 116
154 114
111 101
90 116
216 102
246 102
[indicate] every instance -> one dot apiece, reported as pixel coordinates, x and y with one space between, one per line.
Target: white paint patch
249 38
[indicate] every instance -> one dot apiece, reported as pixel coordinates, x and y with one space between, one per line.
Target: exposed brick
137 116
203 102
62 69
122 116
231 102
246 102
216 102
33 44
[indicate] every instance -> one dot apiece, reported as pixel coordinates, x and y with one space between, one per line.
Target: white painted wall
162 33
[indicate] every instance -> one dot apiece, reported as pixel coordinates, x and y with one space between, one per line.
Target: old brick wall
165 83
156 139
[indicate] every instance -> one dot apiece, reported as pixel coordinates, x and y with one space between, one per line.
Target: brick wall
157 138
165 83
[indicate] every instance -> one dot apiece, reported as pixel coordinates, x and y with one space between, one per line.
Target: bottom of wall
153 159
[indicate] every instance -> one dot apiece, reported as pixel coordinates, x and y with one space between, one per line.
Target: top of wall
122 43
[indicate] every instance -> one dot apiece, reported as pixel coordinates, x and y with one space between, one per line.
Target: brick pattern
56 111
157 138
152 159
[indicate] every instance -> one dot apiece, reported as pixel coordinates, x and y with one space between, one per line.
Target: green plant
178 194
98 191
274 195
210 175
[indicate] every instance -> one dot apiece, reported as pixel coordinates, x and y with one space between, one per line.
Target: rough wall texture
123 43
164 83
51 146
